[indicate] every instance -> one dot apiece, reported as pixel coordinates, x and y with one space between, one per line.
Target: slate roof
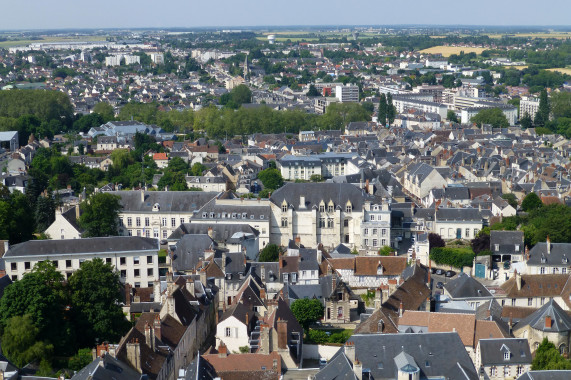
458 214
338 368
560 320
546 375
507 241
106 368
100 245
314 193
465 286
559 254
169 201
435 354
492 351
189 250
221 232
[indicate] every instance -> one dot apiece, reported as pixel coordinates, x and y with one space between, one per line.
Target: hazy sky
41 14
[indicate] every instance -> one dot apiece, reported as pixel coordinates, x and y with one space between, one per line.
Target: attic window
156 207
507 355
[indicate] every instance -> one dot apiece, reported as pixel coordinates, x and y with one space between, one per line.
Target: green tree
391 110
271 178
45 212
511 199
542 115
316 178
105 110
270 253
386 251
531 202
95 298
307 311
382 117
480 243
197 169
526 121
452 117
81 359
435 241
40 295
20 341
493 116
547 357
100 215
312 91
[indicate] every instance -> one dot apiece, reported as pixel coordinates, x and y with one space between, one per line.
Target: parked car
439 285
432 270
439 272
322 362
450 273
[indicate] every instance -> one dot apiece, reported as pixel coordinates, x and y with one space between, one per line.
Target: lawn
447 51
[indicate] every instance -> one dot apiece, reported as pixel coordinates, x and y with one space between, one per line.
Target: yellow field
292 39
562 71
447 51
516 67
7 44
558 35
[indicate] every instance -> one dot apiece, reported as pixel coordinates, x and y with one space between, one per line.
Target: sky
63 14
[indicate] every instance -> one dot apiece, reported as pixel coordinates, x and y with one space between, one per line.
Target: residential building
376 227
503 358
528 105
66 224
347 93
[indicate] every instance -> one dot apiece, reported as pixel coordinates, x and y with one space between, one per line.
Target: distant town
286 203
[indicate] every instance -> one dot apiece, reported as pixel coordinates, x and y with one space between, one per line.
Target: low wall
315 351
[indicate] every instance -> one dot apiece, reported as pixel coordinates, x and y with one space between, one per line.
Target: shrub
456 257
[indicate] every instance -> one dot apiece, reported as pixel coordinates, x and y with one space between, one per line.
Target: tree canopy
270 253
531 202
271 178
493 116
100 215
547 357
307 311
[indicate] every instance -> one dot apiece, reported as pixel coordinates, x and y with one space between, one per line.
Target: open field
558 35
7 44
292 39
562 71
516 67
447 51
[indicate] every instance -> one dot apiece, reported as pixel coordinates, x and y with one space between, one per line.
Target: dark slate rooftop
559 254
492 351
169 201
560 320
101 245
107 368
314 193
465 286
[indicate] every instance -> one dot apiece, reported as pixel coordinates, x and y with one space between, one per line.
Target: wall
315 351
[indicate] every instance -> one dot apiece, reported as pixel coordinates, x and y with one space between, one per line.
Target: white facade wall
233 333
449 229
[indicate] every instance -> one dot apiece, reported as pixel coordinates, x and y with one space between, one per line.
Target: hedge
456 257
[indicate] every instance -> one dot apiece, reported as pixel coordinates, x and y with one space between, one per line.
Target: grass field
447 51
558 35
562 71
7 44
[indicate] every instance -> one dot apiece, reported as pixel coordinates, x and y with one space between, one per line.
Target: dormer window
284 207
156 207
507 355
322 208
517 247
348 207
330 207
543 259
496 247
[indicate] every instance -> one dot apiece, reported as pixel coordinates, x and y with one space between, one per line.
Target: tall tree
307 311
382 118
20 341
270 253
526 121
100 215
531 202
312 91
391 110
271 178
542 115
95 297
493 116
45 212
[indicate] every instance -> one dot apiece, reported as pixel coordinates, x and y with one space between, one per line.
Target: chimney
170 305
302 202
190 286
222 350
262 294
401 309
298 240
224 262
350 351
264 340
282 334
510 324
203 278
263 273
548 322
170 283
548 244
211 232
134 354
367 186
281 260
157 291
149 336
142 195
517 279
77 213
358 369
157 327
6 246
247 320
333 282
378 298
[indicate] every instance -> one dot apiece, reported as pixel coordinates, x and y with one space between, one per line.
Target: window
284 222
120 222
284 208
14 266
340 312
507 371
496 247
563 270
517 247
165 234
346 223
123 273
372 218
467 233
349 209
375 243
366 242
493 372
138 222
136 260
384 242
173 222
129 222
542 300
108 260
542 270
137 273
321 208
375 232
529 301
147 222
285 277
164 222
123 260
149 259
507 355
383 232
129 233
321 222
68 263
330 208
513 301
519 370
181 220
27 265
227 332
329 222
149 271
366 231
155 233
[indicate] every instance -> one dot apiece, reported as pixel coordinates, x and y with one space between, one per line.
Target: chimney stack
298 240
401 309
224 262
548 322
142 195
517 279
282 334
127 294
262 293
222 350
211 232
358 369
350 351
548 243
157 327
77 213
134 354
149 336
